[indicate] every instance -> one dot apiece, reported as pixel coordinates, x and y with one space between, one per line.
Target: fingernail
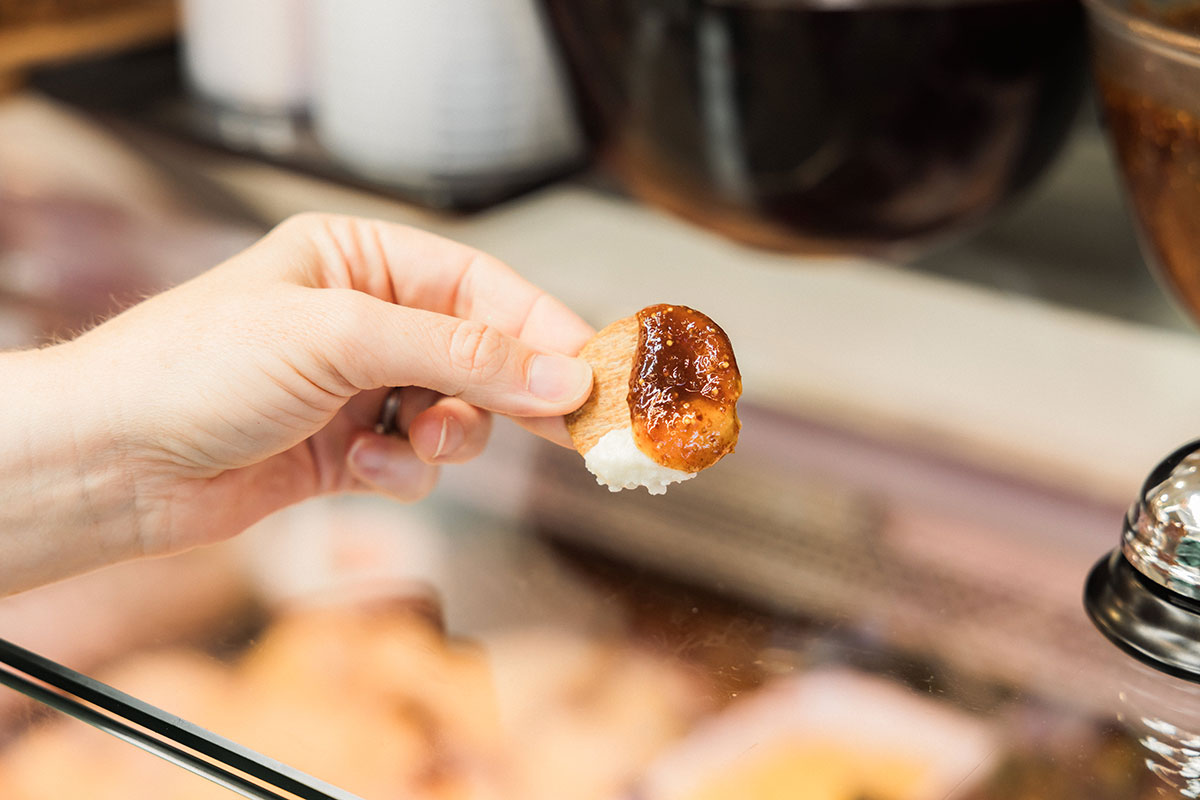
558 378
450 438
365 456
373 460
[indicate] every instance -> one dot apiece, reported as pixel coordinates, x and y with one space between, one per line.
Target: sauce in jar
683 389
1157 145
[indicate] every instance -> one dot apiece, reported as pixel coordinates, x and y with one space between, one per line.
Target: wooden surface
611 352
26 45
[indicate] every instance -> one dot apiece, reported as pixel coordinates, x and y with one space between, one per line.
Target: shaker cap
1145 595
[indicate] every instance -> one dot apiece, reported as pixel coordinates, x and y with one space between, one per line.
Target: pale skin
194 414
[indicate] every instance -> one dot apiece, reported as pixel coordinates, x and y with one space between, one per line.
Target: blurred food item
1106 764
73 760
829 735
200 596
861 127
788 770
458 100
1147 73
584 718
39 31
664 403
349 549
376 700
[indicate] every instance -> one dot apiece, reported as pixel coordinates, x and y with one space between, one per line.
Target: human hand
256 385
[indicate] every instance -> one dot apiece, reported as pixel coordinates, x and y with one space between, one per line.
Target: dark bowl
826 126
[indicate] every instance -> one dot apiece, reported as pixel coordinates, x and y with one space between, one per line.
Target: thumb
382 344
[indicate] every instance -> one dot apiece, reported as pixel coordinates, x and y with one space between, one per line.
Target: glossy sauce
683 389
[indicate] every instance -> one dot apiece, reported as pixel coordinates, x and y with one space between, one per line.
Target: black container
861 127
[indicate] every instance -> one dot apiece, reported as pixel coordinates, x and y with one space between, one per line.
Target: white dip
618 464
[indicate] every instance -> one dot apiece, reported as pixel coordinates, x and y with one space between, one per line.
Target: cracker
611 353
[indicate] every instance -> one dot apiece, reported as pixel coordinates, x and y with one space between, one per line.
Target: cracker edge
611 354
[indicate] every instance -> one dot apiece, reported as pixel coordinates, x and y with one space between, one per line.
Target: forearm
66 504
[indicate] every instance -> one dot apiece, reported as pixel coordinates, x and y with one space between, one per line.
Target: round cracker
611 353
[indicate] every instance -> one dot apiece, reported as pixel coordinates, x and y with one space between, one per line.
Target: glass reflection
459 652
1163 714
1174 757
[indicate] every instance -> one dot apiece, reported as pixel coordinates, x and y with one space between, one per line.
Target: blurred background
952 242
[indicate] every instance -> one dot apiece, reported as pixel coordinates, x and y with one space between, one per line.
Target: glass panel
845 621
822 616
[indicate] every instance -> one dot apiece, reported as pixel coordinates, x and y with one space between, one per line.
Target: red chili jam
684 388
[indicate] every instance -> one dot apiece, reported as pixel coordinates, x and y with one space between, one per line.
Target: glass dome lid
1145 595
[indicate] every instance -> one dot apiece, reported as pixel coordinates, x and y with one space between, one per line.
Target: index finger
415 268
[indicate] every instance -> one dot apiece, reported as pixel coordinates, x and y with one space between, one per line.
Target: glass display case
838 620
842 610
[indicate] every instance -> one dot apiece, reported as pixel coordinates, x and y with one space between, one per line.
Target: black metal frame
170 737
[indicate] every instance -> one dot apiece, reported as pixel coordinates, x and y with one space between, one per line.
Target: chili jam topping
683 389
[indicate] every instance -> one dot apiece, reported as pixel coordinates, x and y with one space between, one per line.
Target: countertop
1006 351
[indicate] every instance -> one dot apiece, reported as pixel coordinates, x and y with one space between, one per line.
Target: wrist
67 503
